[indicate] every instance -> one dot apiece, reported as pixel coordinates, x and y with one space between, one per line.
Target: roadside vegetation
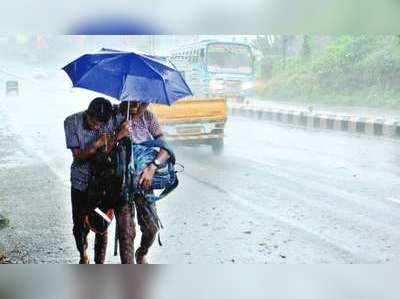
3 224
338 70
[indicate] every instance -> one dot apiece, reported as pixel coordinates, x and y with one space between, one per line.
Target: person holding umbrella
86 133
136 80
141 125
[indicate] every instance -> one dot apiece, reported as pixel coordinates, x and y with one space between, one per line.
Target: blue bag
165 177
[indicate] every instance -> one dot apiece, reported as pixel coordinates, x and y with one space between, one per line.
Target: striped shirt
145 127
78 137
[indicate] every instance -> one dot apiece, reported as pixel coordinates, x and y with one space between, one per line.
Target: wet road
278 194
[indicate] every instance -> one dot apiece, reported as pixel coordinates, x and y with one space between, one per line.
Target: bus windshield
229 58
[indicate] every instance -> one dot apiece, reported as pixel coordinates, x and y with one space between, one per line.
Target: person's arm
112 141
157 133
147 175
89 151
146 178
73 142
163 156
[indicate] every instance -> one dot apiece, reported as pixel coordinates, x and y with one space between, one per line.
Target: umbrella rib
122 87
184 82
74 64
145 59
123 84
180 76
174 68
97 64
164 88
153 58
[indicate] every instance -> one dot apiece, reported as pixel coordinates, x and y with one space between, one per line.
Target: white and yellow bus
214 68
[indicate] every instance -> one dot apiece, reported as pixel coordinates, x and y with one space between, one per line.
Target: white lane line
393 199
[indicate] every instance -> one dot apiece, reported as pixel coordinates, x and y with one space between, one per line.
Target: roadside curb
338 122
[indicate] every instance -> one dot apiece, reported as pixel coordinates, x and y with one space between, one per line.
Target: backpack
165 178
103 191
127 162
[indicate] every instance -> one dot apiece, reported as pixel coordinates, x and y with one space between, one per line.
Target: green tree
306 47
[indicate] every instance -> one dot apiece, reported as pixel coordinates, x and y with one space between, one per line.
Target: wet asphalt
277 194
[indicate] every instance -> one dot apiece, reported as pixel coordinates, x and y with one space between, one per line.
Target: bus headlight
247 85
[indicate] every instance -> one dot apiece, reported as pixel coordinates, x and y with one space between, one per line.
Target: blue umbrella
128 76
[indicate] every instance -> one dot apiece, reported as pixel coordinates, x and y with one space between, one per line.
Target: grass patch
3 258
368 97
346 71
4 222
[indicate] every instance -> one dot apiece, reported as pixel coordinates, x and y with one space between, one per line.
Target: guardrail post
360 124
317 121
344 123
303 119
377 126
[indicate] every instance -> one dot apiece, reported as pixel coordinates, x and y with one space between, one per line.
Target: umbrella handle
127 111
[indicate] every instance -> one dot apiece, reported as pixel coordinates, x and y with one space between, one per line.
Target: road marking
393 199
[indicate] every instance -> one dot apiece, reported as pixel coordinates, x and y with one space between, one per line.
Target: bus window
234 58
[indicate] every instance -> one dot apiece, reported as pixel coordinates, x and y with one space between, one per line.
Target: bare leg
100 247
148 222
80 231
126 232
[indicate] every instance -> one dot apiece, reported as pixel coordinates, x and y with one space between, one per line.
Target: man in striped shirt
86 132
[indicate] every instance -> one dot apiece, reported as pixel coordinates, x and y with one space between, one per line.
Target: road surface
277 194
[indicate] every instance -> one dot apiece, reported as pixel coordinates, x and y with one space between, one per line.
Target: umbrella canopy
128 76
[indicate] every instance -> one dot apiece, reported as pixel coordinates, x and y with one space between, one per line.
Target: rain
289 146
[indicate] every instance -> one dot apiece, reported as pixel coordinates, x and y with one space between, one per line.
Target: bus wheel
217 146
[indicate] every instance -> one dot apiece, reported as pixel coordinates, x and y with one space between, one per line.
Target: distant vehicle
39 73
194 122
215 68
12 86
214 71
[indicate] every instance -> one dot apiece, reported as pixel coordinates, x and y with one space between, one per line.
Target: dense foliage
353 70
